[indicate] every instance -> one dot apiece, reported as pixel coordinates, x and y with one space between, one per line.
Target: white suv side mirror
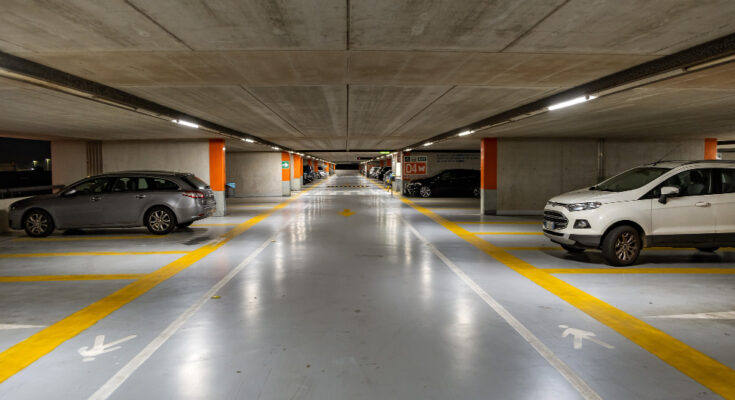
666 192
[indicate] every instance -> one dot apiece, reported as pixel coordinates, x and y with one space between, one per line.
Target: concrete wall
437 162
157 155
255 173
69 161
530 171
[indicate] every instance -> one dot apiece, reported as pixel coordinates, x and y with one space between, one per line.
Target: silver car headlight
591 205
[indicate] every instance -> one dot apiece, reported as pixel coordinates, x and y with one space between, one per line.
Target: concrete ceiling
379 74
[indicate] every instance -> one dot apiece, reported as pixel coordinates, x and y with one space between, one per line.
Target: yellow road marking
641 270
539 248
74 238
253 205
454 208
41 343
50 278
702 368
233 224
498 222
507 233
90 253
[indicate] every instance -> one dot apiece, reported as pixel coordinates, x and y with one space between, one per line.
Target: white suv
670 204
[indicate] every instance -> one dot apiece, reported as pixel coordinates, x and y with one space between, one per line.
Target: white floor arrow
100 347
704 315
580 336
18 326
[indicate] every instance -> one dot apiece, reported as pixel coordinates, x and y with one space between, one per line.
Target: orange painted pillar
489 176
217 174
710 149
286 173
298 172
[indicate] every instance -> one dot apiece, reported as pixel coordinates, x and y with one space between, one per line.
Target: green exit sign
284 164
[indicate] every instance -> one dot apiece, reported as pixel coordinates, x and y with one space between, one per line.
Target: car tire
160 220
425 191
621 246
185 225
38 223
708 249
476 192
573 249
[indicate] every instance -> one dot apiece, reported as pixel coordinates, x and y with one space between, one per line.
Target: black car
382 172
451 182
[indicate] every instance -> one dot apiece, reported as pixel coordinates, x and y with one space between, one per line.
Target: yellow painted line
702 368
89 253
454 208
253 205
641 270
233 224
507 233
41 343
51 278
498 222
539 248
75 238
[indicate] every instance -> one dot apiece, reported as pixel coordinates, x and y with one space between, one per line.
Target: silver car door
82 205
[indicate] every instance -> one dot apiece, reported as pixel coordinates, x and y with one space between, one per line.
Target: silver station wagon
158 200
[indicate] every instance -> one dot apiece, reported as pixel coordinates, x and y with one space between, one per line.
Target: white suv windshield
632 179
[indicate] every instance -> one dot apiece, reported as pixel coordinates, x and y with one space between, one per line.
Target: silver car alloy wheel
626 246
425 191
159 220
37 223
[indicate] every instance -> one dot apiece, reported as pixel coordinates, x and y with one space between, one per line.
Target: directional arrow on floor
18 326
101 348
704 315
346 212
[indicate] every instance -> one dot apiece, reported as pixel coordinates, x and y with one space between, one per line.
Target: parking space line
90 253
232 224
507 233
41 343
700 367
529 248
498 222
641 270
74 238
52 278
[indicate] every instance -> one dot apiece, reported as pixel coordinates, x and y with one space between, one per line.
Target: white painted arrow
704 315
101 348
18 326
580 335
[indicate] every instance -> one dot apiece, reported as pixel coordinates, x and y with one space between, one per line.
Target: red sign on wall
414 168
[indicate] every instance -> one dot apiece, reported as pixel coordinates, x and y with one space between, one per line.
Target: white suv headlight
583 206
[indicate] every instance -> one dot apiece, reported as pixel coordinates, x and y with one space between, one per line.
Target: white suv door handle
702 204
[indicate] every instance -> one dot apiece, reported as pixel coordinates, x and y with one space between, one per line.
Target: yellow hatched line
702 368
41 343
51 278
75 238
641 270
90 253
506 233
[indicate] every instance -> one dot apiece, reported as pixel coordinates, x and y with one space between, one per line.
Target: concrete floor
419 299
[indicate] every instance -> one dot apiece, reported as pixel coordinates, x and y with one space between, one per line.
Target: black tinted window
695 182
161 184
129 184
196 182
95 185
727 180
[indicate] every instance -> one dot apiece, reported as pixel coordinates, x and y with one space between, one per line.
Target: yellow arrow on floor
346 212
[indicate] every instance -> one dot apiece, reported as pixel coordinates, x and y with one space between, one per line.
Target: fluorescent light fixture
275 148
249 140
465 133
711 63
427 144
571 102
185 123
407 150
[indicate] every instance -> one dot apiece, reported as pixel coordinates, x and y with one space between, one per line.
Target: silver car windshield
631 179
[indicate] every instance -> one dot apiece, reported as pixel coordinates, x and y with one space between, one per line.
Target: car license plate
549 225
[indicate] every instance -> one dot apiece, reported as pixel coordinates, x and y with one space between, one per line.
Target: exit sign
284 164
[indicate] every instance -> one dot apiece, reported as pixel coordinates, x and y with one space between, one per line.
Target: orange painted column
217 174
286 173
298 172
489 176
710 149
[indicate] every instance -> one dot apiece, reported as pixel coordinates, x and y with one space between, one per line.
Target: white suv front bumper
559 223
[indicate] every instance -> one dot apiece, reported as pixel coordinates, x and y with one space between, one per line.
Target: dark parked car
158 200
381 174
451 182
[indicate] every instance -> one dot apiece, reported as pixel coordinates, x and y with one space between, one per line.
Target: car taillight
194 195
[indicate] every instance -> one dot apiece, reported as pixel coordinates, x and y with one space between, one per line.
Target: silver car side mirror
666 192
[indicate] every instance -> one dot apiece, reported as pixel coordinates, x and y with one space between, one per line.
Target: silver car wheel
37 223
626 246
425 191
159 220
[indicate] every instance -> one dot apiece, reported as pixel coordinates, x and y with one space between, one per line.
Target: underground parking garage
336 199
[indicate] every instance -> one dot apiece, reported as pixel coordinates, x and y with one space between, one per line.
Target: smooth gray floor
354 307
